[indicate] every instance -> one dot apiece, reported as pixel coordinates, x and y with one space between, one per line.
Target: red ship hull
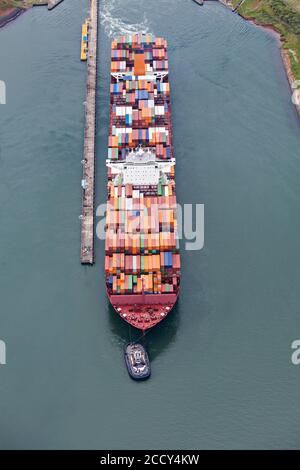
143 311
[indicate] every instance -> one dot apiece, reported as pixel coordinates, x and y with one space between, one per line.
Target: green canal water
222 373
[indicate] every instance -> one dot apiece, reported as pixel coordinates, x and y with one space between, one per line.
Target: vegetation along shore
282 16
11 9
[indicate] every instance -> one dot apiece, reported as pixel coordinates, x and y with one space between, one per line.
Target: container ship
142 260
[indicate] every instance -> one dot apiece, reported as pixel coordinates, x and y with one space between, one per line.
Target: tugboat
137 361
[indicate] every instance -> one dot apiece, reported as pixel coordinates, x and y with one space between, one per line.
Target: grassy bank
6 5
284 16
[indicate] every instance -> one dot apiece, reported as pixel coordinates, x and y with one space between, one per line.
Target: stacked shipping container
142 248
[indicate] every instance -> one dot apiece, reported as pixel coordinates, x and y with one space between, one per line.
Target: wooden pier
88 179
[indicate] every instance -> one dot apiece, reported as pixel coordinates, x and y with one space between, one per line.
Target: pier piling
88 181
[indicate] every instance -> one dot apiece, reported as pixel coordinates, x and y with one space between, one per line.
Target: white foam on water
114 25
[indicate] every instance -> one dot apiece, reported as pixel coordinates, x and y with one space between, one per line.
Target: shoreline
283 52
5 19
12 13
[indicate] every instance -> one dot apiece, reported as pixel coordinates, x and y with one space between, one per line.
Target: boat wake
114 25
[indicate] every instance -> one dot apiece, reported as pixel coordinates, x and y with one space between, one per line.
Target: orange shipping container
139 64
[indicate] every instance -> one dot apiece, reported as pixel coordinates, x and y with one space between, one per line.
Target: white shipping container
159 110
128 204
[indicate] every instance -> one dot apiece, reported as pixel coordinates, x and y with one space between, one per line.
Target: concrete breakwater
53 3
49 3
